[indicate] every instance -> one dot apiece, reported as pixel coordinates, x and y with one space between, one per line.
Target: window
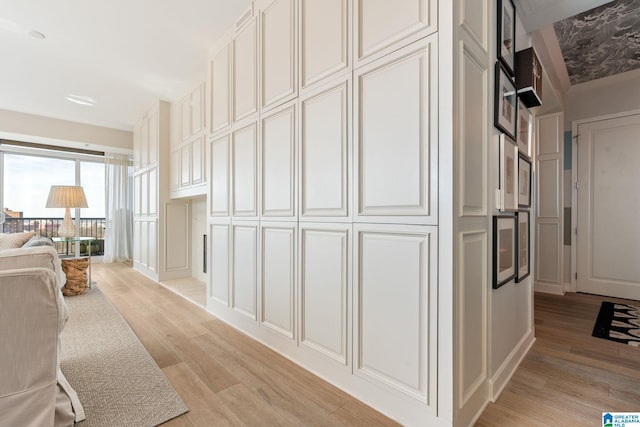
27 176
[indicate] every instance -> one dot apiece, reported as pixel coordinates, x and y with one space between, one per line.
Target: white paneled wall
325 151
279 52
188 150
325 279
325 39
244 51
244 166
244 271
278 258
323 197
377 34
395 307
279 136
549 232
396 136
160 230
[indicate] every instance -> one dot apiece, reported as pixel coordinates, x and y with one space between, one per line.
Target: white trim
498 382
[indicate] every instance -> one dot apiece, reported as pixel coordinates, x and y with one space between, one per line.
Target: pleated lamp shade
67 196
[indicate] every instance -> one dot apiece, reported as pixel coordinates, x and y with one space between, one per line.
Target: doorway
608 206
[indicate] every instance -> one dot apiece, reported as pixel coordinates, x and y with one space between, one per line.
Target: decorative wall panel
279 52
220 87
244 154
394 306
245 72
278 274
396 138
245 268
324 287
325 39
324 151
219 185
219 271
278 162
376 34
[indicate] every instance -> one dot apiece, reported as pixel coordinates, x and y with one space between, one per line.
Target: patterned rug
618 322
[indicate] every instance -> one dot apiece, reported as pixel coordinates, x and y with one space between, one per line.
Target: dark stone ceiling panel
601 42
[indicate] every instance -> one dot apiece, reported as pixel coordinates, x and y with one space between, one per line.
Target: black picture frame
505 114
504 249
524 181
506 22
523 245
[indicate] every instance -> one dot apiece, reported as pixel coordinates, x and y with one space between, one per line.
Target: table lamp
67 196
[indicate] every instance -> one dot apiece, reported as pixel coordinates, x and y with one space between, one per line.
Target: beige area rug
117 380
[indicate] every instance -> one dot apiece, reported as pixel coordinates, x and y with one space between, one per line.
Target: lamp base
67 228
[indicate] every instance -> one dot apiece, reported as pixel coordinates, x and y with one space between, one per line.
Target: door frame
573 286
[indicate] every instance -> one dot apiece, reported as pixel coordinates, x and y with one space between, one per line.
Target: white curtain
118 240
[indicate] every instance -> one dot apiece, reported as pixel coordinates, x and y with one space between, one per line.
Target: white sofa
33 390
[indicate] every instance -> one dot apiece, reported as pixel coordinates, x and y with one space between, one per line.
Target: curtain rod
50 147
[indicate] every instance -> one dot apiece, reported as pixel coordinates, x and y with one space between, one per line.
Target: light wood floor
569 377
224 377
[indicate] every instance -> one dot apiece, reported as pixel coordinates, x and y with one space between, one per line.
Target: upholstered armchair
33 390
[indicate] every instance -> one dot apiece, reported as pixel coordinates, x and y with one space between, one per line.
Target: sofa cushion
14 240
39 256
38 241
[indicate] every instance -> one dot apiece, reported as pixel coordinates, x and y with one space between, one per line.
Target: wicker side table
76 272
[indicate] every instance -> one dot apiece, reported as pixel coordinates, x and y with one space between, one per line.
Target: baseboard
548 288
502 376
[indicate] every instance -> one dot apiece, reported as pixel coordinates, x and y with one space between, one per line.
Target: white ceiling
125 54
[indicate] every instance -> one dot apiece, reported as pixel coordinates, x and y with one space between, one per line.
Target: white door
608 254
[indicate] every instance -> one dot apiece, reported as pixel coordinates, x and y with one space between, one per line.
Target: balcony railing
89 227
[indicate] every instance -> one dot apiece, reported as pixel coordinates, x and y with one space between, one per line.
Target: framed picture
505 114
525 123
523 244
508 174
507 34
504 249
524 181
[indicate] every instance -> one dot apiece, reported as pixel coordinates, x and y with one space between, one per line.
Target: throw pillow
38 241
14 240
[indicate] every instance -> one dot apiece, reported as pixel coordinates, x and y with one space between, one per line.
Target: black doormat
618 322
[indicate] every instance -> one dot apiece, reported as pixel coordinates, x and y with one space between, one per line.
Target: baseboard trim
502 376
549 288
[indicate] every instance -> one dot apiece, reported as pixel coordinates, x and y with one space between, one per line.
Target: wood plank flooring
224 377
569 377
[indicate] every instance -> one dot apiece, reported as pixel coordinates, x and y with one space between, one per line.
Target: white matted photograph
524 181
508 174
525 124
505 115
523 245
504 249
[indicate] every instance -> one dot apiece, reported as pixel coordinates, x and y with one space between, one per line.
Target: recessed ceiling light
36 34
82 100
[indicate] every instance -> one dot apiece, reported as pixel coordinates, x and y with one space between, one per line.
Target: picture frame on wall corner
506 36
523 245
505 115
524 181
504 249
525 124
508 178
